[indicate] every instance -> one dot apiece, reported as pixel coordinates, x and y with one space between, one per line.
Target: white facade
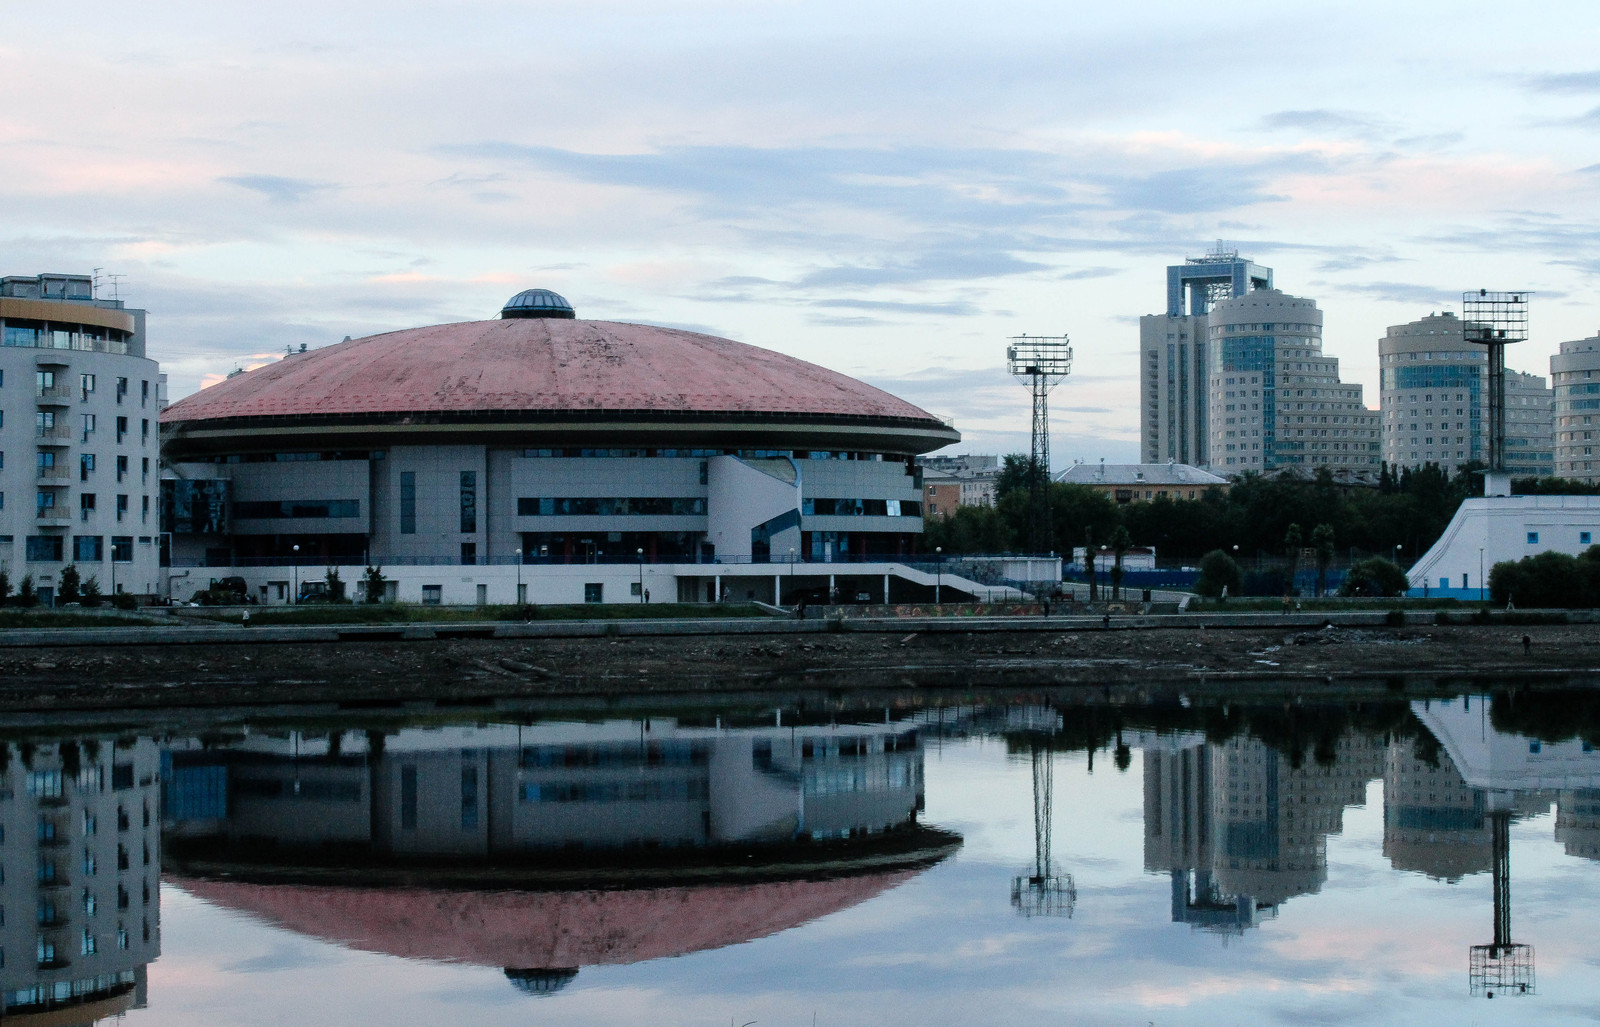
1433 397
79 443
82 861
1575 375
1490 530
1275 399
1172 388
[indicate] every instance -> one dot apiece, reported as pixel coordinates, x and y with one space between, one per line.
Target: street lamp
938 570
641 575
296 589
519 576
791 572
1480 574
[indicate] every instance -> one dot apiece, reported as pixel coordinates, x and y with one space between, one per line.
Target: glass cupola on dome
537 303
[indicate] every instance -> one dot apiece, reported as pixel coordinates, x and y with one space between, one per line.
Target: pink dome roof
552 365
542 929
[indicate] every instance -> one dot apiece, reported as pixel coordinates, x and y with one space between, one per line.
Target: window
88 424
408 504
1583 538
122 552
86 384
469 502
86 505
144 429
122 389
122 428
594 592
122 507
144 393
432 595
469 553
85 466
45 548
1533 538
88 548
144 469
122 467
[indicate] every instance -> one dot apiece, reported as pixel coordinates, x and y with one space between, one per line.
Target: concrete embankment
213 634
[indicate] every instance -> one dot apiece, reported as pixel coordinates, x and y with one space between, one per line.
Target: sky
890 190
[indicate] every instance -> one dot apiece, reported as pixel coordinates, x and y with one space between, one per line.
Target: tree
5 588
1293 543
1218 571
26 596
1375 576
90 593
1322 542
335 585
372 584
1121 542
68 592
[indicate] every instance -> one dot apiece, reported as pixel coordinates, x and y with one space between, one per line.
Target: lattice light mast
1042 362
1505 967
1042 891
1493 320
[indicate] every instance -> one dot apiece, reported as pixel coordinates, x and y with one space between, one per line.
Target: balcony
61 432
54 395
54 513
55 473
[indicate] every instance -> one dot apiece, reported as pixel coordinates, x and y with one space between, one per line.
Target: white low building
1495 529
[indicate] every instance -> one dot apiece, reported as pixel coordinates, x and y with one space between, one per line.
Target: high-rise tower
1172 354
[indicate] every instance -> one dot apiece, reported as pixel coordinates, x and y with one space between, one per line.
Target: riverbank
904 655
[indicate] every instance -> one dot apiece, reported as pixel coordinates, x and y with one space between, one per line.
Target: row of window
611 506
47 500
49 424
47 335
748 454
50 385
296 508
86 548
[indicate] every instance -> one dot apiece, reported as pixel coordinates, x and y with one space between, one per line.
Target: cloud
1322 120
952 308
948 265
1085 273
1402 292
275 187
1565 82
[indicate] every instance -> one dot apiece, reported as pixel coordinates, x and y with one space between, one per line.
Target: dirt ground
132 676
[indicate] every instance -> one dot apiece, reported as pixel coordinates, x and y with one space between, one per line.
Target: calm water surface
1192 862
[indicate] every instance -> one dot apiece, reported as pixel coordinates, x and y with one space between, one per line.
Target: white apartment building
79 441
1575 375
1275 399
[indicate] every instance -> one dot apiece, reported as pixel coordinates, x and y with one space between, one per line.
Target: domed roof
539 366
537 303
542 929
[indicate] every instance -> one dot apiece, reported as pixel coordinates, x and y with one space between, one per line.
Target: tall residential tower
1172 354
1275 399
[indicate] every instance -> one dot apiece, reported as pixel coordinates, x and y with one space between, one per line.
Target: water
1195 860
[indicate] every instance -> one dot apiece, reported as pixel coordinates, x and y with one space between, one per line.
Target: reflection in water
549 847
81 856
540 849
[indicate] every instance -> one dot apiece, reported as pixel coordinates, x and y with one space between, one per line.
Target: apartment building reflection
79 876
564 844
1239 828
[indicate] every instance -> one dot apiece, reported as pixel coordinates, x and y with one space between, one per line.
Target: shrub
1218 570
68 592
90 592
26 594
124 601
1375 577
1548 581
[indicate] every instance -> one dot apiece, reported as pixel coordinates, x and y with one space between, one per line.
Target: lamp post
295 601
1480 574
519 576
640 552
791 572
938 572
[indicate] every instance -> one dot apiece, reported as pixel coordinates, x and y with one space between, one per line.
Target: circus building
546 458
541 850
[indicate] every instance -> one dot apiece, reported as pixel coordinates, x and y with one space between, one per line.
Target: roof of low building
1170 474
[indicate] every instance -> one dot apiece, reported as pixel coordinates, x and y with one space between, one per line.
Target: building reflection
1240 828
79 896
545 848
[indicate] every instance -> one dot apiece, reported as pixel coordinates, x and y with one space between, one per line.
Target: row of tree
72 588
1401 518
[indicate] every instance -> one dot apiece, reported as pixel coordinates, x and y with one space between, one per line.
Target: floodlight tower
1492 320
1042 362
1504 968
1043 892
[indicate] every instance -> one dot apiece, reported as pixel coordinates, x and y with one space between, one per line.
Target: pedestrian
1105 620
647 595
247 619
1527 645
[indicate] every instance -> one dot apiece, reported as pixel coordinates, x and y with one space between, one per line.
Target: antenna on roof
94 283
116 285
